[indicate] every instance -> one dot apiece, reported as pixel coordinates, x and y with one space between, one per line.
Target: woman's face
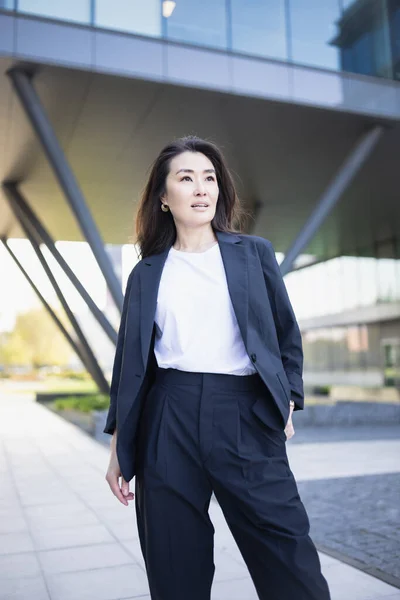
191 181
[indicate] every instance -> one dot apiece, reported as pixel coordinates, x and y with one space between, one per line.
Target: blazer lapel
234 258
150 278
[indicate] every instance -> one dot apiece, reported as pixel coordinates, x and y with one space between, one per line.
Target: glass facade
312 26
394 35
346 283
358 36
134 16
364 39
353 349
259 28
203 23
360 353
68 10
365 355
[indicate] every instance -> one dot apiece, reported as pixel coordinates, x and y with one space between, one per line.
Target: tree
35 341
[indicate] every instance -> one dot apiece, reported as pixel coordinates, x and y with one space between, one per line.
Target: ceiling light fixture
168 8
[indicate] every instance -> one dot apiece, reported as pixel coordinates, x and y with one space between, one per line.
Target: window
68 10
134 16
202 23
259 27
313 26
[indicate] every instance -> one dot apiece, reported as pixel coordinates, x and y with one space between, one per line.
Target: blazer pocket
282 377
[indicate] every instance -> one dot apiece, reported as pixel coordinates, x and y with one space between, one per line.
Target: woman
207 373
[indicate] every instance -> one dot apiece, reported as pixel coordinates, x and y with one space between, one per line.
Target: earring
164 207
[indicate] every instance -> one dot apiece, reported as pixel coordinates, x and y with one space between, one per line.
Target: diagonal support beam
86 353
14 195
31 103
46 305
332 194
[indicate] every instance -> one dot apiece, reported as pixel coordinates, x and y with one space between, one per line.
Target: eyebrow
191 171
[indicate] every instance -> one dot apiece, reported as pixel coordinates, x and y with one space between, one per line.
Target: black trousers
198 435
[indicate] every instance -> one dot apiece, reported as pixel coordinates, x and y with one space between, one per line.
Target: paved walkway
63 536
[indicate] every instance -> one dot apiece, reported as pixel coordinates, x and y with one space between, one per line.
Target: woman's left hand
289 429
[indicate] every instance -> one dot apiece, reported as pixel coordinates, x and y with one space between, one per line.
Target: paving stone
19 565
102 584
358 517
47 539
83 558
14 543
23 588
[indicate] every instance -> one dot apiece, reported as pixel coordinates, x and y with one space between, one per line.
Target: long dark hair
155 229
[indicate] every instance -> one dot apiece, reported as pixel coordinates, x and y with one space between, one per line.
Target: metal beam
26 92
13 192
86 353
332 194
47 306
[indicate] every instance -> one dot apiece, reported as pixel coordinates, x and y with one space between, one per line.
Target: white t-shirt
196 327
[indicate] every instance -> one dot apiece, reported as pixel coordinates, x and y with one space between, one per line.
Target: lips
201 204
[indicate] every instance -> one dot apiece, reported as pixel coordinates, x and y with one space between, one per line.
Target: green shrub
323 390
76 375
82 403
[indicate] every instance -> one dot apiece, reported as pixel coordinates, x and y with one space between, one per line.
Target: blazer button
253 357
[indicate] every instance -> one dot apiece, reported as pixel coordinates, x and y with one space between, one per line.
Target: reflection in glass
343 283
8 4
343 355
354 346
339 349
347 3
68 10
202 23
135 16
316 349
349 282
387 281
259 27
398 267
168 7
334 302
312 26
394 32
387 268
367 279
363 40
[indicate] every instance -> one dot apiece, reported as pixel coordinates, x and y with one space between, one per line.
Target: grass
50 384
82 404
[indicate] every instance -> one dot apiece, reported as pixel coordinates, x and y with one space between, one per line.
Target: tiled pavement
63 535
358 518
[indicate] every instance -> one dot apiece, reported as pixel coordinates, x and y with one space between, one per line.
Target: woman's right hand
114 473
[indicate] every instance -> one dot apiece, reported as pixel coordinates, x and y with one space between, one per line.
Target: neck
194 240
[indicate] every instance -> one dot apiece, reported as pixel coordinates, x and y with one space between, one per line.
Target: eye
209 177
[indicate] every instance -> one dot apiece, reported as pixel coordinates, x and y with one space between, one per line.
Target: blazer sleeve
111 421
288 331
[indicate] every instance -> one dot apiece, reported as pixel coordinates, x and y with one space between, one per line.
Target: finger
124 487
125 490
116 490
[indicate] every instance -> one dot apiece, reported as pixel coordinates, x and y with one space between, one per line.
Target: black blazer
266 321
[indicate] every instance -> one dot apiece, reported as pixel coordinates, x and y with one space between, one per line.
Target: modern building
302 96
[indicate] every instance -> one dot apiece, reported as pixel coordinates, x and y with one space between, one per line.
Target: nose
200 190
